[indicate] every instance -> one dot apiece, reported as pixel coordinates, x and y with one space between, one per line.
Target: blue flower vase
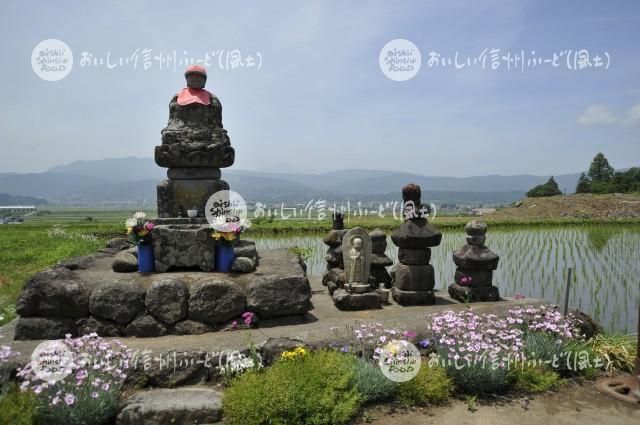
146 259
225 255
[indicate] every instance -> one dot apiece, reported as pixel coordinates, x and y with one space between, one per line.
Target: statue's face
357 243
196 80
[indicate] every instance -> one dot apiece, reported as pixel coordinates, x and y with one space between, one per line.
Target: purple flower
424 343
345 349
69 399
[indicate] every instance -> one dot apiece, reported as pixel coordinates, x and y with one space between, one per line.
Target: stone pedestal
413 277
347 301
184 246
475 265
175 197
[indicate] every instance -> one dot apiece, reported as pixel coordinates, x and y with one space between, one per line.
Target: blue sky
320 102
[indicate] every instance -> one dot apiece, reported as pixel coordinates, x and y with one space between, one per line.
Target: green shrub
430 386
535 379
545 348
17 407
315 389
372 383
479 378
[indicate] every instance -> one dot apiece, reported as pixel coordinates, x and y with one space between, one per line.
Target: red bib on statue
188 96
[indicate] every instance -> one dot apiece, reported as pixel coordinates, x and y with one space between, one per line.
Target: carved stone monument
194 148
413 278
356 293
475 265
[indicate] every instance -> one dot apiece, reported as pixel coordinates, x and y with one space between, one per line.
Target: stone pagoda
475 265
413 277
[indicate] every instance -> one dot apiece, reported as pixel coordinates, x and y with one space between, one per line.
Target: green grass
27 249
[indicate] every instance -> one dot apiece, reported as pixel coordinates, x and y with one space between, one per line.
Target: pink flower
234 324
519 297
149 226
69 399
248 317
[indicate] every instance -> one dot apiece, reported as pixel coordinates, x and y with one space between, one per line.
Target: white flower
131 222
140 215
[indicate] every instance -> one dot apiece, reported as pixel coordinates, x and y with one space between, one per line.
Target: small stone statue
356 274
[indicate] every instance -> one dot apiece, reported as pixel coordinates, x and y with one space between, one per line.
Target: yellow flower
129 230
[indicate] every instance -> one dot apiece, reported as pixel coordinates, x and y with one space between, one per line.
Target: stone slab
346 301
175 197
187 405
414 278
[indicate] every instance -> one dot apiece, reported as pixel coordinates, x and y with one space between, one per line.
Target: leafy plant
18 408
315 389
90 391
372 383
618 352
535 379
430 386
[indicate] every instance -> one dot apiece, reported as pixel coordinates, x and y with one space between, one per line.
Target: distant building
17 208
482 211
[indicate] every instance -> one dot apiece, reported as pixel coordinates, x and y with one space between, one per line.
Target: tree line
601 178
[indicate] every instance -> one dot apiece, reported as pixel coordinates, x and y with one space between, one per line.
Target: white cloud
603 115
596 115
633 116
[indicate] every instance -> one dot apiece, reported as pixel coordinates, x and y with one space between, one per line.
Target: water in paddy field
534 262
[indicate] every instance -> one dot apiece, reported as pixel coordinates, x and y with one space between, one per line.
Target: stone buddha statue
194 135
356 271
195 146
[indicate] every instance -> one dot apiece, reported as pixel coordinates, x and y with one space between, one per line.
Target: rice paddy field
534 262
534 255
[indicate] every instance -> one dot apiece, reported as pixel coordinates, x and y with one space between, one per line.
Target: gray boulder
125 262
28 328
100 326
243 265
54 293
118 244
78 263
188 405
167 300
245 248
271 296
215 301
145 326
117 301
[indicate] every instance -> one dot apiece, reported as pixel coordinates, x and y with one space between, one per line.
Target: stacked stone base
466 294
348 301
85 295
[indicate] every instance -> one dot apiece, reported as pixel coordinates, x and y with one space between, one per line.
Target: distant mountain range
14 200
134 180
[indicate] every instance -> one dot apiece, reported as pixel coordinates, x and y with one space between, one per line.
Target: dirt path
579 405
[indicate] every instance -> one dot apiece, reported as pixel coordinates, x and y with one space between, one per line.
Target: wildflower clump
87 382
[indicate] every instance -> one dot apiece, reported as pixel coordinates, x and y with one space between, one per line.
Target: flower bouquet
139 231
226 230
